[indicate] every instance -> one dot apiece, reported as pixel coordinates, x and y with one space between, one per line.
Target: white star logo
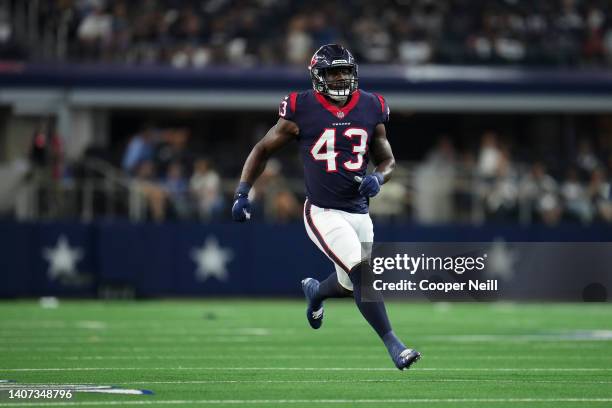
211 260
62 259
501 260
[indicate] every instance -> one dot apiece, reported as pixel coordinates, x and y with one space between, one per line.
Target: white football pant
340 234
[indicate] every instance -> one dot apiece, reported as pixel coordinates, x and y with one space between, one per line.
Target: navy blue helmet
333 56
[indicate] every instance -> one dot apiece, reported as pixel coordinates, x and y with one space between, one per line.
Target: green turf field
262 353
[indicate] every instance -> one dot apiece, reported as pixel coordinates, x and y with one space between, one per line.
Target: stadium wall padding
190 259
383 78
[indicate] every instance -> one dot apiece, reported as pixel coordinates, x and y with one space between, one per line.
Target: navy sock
331 288
393 344
373 310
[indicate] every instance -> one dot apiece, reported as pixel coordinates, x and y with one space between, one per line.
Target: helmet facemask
338 90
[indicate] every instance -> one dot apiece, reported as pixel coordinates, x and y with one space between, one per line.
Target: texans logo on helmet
315 59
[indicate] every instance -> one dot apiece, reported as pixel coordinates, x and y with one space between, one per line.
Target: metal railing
103 191
457 196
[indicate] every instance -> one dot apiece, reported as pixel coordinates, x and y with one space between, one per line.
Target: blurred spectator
577 203
140 148
120 36
47 159
390 204
607 46
599 193
47 151
466 194
586 160
434 183
549 32
174 148
299 47
177 189
285 207
501 193
374 42
539 191
94 33
10 49
270 191
483 184
490 156
147 184
322 30
205 187
414 48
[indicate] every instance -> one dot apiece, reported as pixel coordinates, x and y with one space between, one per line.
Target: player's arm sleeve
287 107
384 110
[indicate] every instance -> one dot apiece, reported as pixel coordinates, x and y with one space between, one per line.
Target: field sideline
258 353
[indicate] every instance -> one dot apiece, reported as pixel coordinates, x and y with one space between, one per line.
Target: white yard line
86 327
75 347
238 335
484 369
240 345
296 357
312 401
96 339
382 380
322 381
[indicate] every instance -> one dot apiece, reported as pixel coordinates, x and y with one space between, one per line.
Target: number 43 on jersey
324 148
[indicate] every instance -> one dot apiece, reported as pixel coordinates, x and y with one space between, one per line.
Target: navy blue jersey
334 144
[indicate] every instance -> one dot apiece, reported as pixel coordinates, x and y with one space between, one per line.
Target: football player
338 128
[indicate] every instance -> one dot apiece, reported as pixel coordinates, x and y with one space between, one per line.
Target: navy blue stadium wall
74 259
387 79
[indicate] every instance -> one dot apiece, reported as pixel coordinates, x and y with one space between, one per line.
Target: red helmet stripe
292 101
382 102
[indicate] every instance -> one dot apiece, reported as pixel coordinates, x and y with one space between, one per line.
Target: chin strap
338 98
